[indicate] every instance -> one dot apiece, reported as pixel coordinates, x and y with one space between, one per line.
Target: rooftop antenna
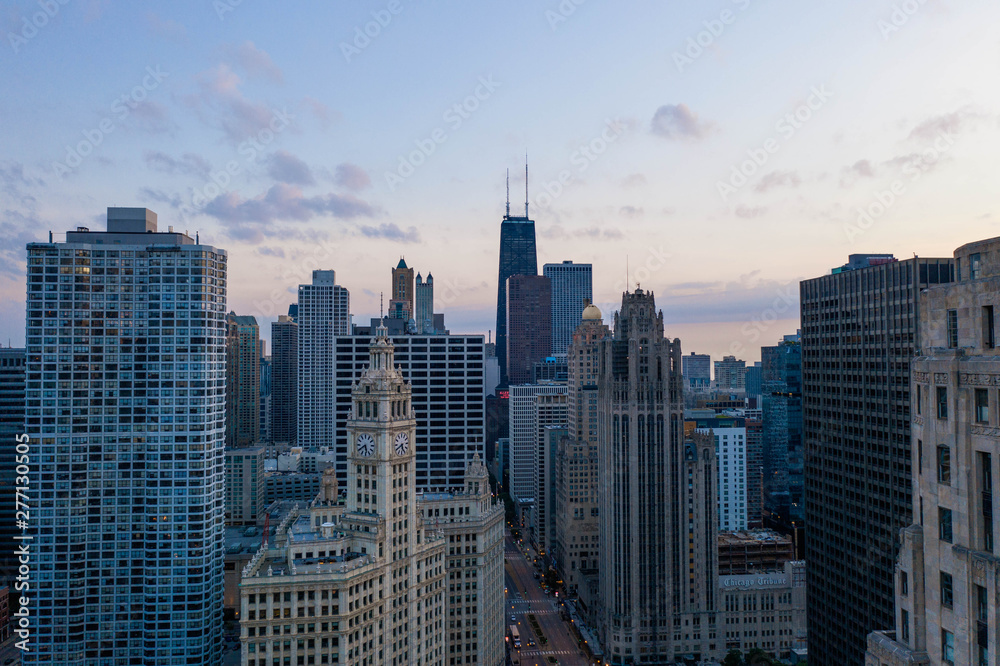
381 313
526 185
508 192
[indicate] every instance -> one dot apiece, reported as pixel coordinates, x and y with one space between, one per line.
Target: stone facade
947 578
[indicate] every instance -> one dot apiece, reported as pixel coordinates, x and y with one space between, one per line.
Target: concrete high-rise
532 408
529 329
284 379
576 545
447 375
424 303
731 455
401 300
697 370
859 335
730 374
323 315
572 291
658 520
126 402
245 485
12 400
517 257
946 577
243 349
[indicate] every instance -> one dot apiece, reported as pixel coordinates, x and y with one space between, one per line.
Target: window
982 406
974 266
947 591
948 647
982 604
952 329
942 402
904 583
944 524
920 456
944 465
904 625
989 337
920 401
985 461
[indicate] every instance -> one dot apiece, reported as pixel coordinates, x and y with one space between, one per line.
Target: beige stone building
947 572
576 543
471 522
365 579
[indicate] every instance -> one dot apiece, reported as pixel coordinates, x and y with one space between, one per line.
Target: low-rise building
766 610
753 551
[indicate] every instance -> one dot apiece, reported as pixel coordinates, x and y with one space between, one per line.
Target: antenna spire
526 185
381 312
508 192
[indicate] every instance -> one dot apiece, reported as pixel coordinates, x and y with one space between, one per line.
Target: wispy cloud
677 121
777 179
254 62
352 177
287 168
190 164
391 232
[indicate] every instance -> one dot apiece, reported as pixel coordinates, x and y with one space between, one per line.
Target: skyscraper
284 379
424 296
527 427
401 301
730 453
529 329
946 577
242 380
572 291
658 521
577 545
126 413
451 428
323 314
697 370
859 334
781 386
12 397
517 257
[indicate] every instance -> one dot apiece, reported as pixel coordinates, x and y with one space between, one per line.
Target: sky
715 152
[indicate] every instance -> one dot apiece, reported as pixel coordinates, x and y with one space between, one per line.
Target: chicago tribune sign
754 581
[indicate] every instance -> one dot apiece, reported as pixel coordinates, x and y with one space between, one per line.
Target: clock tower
381 430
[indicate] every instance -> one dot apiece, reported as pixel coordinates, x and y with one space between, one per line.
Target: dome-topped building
592 313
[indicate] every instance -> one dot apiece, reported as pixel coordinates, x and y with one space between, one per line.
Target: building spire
526 185
508 193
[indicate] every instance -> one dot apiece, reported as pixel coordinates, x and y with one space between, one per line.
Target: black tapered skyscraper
517 257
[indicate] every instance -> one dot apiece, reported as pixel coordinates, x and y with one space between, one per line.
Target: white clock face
402 443
366 445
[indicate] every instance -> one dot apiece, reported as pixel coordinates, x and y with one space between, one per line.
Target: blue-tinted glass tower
517 257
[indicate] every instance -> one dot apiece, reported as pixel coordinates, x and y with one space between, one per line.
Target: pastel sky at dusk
717 150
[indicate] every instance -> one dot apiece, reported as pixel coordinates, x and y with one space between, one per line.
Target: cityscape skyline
316 196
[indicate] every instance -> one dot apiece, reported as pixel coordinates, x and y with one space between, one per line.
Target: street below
525 596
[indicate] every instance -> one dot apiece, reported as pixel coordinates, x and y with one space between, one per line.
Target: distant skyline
718 151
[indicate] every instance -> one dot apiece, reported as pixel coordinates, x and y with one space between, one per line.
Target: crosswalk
545 653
